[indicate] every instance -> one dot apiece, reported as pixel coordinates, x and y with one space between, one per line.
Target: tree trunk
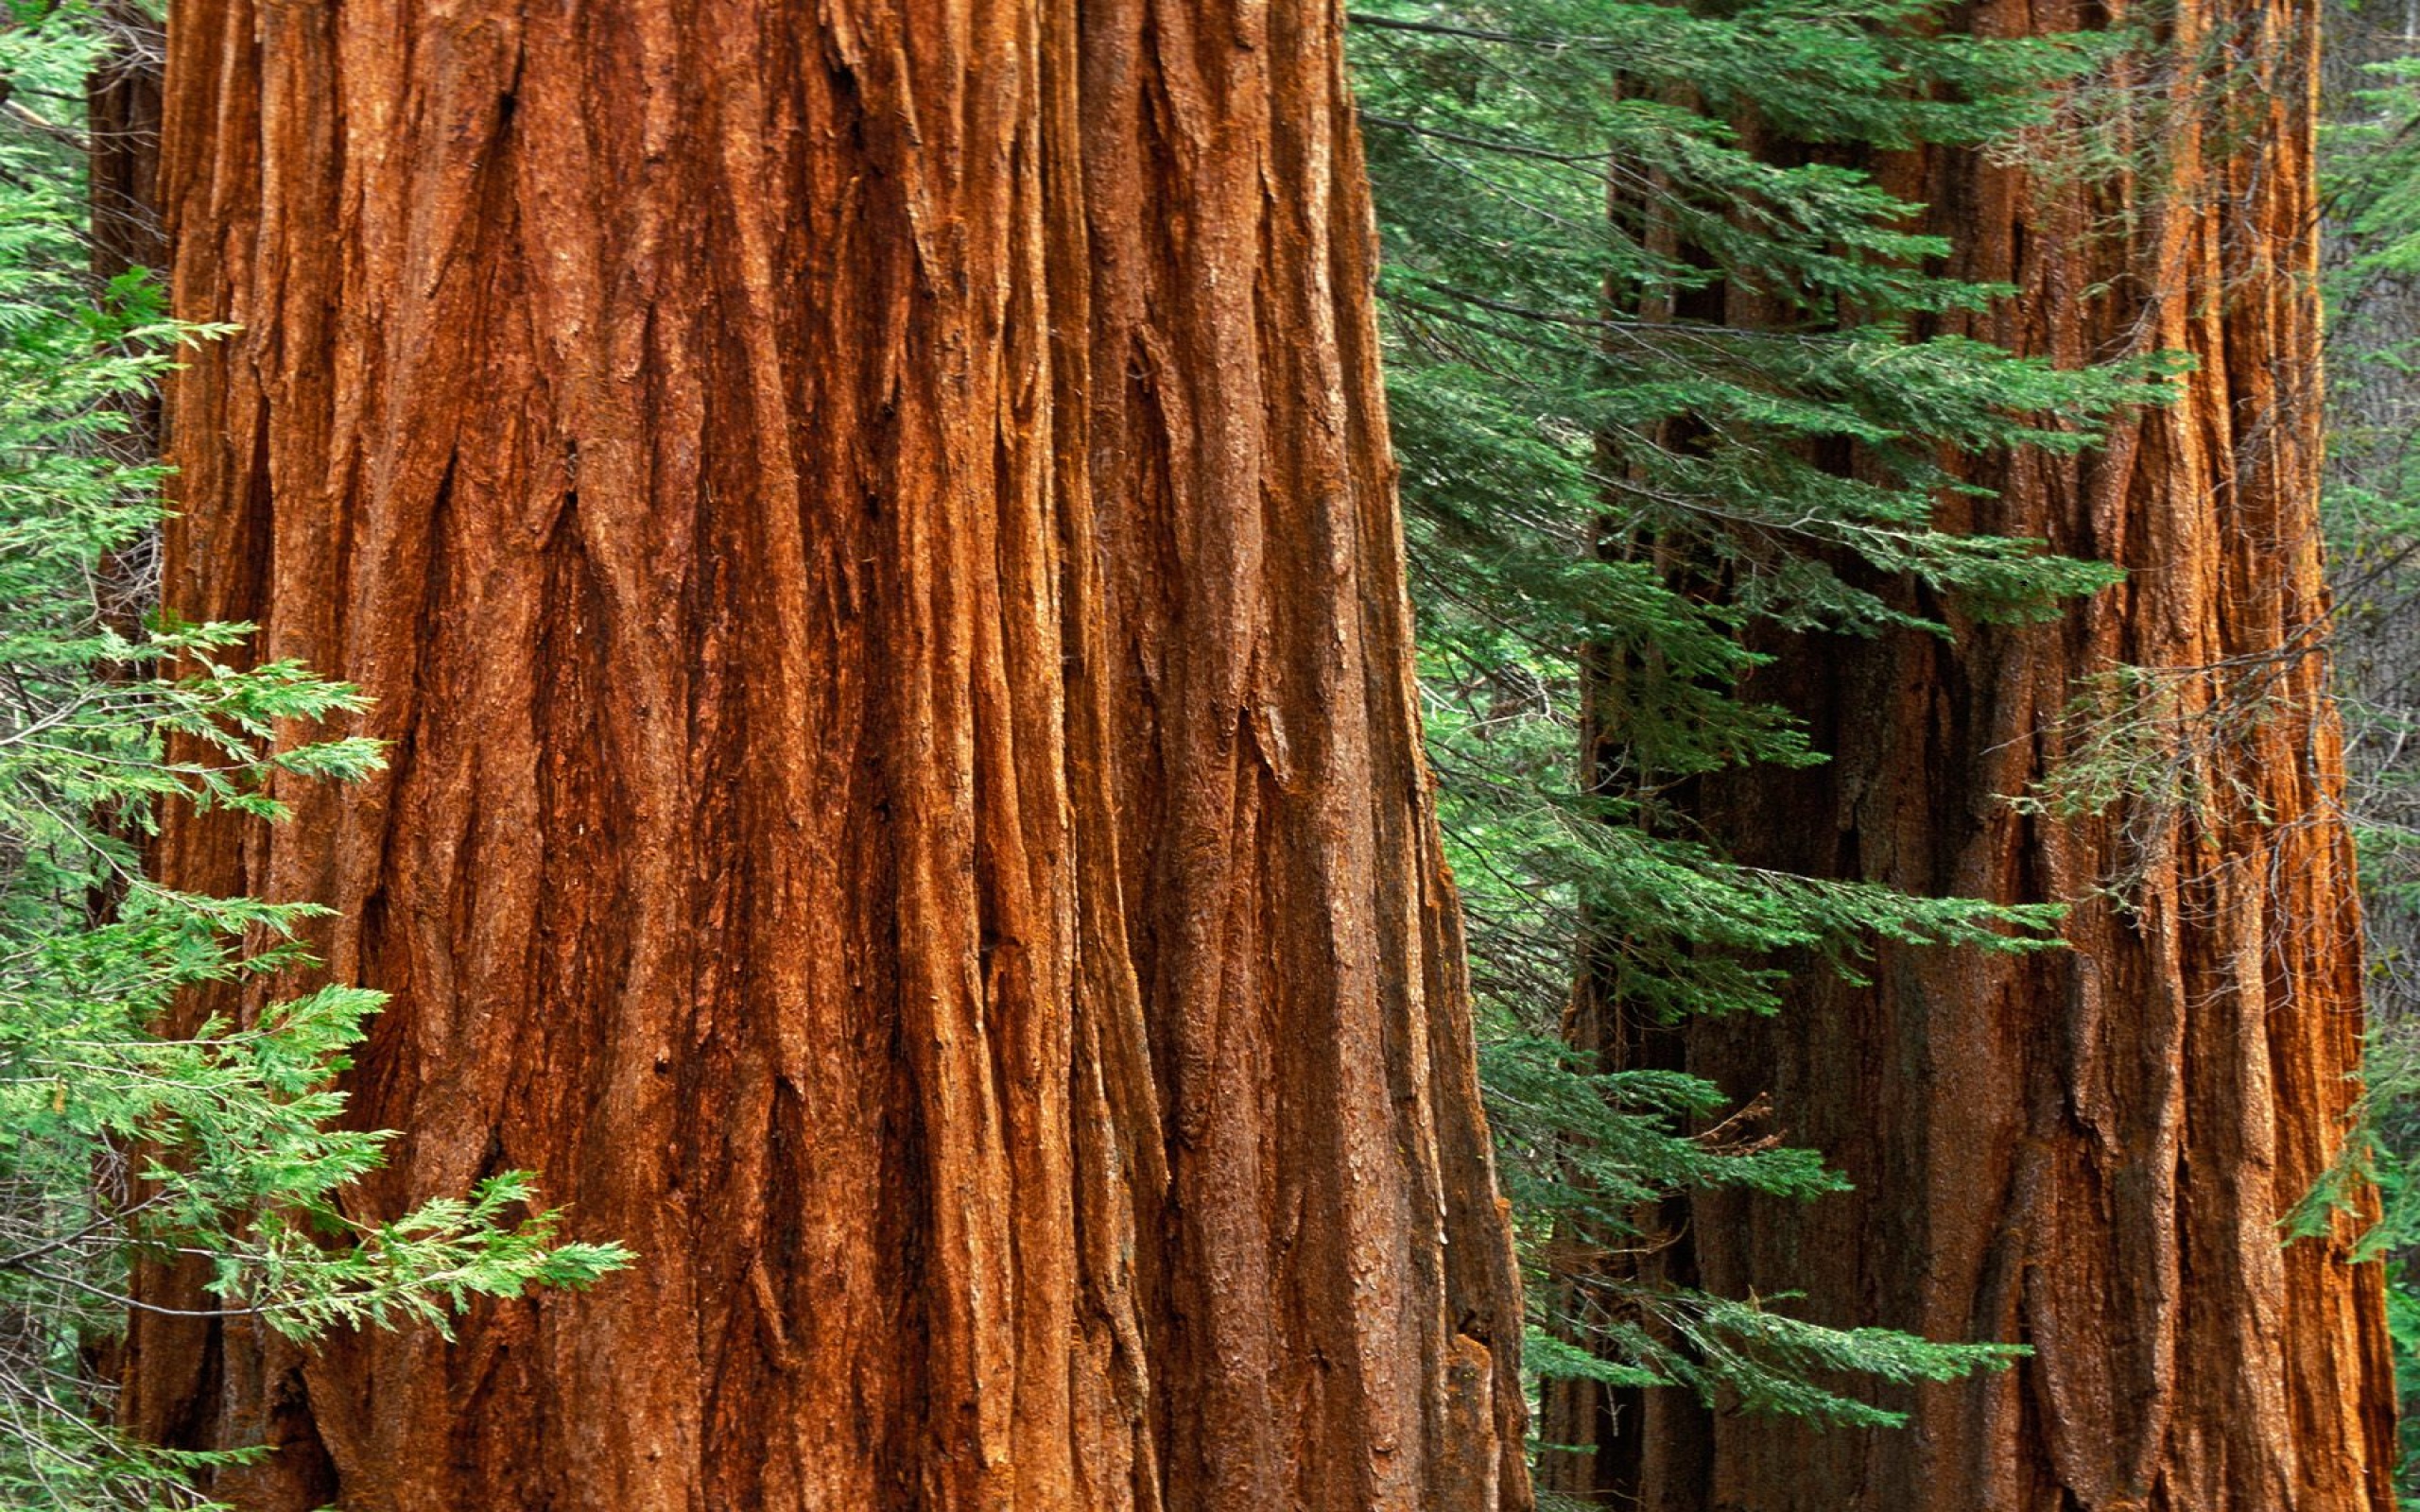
2087 1152
122 123
871 530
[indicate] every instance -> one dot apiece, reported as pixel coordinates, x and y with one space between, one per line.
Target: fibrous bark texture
870 528
2087 1152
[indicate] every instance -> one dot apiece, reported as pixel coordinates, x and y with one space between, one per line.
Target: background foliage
1660 383
2369 159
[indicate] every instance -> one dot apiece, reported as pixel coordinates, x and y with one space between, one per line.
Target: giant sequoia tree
870 529
2091 1152
1609 476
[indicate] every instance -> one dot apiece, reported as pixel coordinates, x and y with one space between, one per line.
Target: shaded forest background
2367 69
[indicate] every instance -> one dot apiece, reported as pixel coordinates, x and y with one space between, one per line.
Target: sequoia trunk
2087 1152
869 528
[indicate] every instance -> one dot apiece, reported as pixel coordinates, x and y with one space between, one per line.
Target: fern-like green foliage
1665 376
118 1142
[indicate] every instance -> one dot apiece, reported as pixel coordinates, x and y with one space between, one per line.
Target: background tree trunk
871 530
2087 1152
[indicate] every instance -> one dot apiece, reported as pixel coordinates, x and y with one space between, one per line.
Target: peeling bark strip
869 528
2088 1152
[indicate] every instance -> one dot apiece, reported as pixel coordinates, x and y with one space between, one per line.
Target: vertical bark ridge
870 528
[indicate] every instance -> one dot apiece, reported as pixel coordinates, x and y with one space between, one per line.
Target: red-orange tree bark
869 528
2087 1152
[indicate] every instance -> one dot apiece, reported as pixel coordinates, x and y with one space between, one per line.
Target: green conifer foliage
116 1143
1660 382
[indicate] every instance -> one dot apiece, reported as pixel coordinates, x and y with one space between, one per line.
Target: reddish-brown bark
869 528
2087 1152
